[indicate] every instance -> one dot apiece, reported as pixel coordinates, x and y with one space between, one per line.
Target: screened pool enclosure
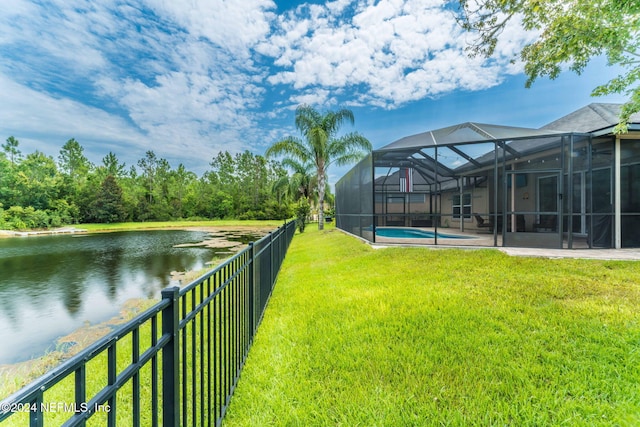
490 185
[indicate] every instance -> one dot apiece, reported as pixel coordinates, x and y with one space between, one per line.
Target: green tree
149 166
11 148
180 180
223 178
7 181
155 179
253 174
108 205
161 208
75 168
290 188
86 196
569 33
38 182
112 166
134 194
208 199
321 145
72 160
246 180
303 183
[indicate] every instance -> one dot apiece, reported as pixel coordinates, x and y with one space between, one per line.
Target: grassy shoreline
137 226
122 226
414 336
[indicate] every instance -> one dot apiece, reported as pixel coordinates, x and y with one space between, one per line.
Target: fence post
171 359
252 290
271 274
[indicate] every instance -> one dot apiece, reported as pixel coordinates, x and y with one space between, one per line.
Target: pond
52 285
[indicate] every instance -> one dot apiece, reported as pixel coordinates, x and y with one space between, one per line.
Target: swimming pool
412 233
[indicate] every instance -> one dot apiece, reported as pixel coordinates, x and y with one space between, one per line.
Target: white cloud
180 73
233 25
190 78
388 53
315 97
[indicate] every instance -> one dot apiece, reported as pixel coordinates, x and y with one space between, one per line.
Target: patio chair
481 223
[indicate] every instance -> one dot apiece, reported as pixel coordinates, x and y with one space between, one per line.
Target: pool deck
604 254
486 241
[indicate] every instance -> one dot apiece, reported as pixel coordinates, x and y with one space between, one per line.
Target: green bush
303 208
19 218
17 224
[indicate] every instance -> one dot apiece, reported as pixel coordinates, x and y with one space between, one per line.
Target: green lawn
413 336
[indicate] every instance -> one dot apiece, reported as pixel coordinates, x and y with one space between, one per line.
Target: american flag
406 180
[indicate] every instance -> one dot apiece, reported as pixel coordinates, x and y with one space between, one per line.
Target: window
462 205
416 198
390 199
395 199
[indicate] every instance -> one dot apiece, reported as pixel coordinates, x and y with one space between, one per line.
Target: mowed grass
355 336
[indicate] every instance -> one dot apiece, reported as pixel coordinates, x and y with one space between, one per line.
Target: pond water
52 285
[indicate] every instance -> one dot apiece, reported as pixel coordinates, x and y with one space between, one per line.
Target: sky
190 78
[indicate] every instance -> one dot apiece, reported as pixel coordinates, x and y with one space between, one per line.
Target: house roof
591 118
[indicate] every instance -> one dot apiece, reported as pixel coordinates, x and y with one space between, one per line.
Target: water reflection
51 285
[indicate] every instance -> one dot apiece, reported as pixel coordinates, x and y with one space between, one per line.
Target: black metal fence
176 364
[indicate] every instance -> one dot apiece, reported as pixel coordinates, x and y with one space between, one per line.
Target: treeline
38 191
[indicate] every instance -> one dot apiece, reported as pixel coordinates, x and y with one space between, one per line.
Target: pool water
409 233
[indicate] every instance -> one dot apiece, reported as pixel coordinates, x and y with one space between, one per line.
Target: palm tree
302 183
321 145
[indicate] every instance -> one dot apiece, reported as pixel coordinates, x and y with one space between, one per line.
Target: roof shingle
590 118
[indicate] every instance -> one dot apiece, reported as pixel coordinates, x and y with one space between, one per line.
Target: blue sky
188 79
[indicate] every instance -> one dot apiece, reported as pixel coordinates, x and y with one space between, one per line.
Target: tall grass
417 336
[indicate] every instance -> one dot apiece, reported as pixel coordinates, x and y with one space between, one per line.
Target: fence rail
176 363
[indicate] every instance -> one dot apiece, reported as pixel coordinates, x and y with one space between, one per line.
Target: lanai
534 187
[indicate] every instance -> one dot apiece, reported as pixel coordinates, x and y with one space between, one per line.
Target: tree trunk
321 185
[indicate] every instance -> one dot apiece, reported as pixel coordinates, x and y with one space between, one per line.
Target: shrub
303 208
19 218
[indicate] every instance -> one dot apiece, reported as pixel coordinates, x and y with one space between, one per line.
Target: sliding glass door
534 209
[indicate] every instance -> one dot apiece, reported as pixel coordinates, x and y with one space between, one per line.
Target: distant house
569 184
